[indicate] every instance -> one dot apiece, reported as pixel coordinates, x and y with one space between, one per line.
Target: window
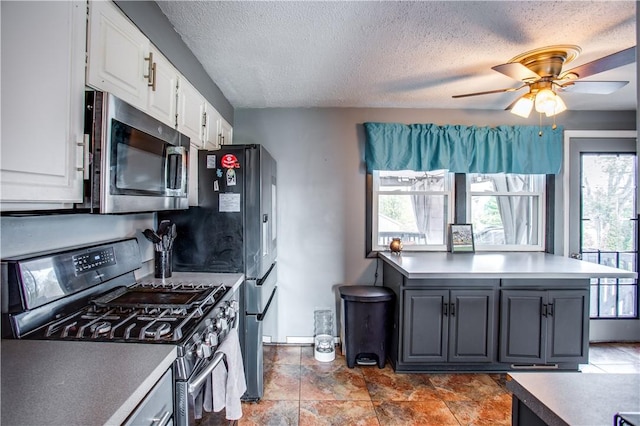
506 210
415 206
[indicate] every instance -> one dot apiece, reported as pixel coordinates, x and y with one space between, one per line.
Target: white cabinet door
43 46
226 132
190 112
212 128
163 89
118 51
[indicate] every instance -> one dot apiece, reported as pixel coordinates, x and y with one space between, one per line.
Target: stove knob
224 326
199 350
206 350
213 339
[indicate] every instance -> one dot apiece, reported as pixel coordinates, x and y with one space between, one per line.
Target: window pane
505 219
608 300
414 206
417 219
505 182
627 300
593 301
506 210
413 181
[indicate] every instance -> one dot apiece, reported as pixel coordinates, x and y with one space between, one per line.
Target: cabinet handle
544 310
150 76
153 83
452 309
550 309
445 308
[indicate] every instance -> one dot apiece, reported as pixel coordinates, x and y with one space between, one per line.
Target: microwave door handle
176 169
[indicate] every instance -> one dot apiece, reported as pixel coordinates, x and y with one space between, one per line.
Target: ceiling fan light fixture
559 107
523 106
545 101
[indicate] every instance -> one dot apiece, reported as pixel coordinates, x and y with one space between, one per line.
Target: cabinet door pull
550 309
153 80
452 309
150 70
544 310
445 308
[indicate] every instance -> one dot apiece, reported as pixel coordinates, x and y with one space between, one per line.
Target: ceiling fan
540 70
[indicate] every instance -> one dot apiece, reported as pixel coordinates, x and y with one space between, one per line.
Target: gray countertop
77 383
85 383
576 398
497 265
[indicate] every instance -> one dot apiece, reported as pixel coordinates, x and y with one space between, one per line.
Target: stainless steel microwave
136 163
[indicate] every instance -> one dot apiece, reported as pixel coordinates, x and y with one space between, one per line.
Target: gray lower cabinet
544 326
443 325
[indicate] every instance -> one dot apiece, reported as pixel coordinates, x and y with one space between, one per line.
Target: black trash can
366 320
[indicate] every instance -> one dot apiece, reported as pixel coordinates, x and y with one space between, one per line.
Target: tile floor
302 391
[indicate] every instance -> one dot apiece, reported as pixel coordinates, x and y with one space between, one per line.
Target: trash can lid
365 293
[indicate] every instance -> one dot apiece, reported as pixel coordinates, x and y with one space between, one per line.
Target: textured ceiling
395 54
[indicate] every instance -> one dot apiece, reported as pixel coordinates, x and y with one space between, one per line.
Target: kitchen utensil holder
163 264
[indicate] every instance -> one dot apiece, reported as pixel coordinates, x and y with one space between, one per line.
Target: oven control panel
92 260
217 327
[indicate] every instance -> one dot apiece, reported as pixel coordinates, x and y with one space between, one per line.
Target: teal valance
463 149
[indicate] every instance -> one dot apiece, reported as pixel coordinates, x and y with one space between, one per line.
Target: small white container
324 348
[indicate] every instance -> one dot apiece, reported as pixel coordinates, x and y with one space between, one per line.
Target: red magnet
230 161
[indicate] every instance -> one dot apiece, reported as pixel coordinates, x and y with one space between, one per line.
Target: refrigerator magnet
231 177
216 186
211 161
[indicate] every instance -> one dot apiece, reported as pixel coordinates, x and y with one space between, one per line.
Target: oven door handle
200 378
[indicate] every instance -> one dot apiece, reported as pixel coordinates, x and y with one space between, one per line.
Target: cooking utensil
163 227
151 235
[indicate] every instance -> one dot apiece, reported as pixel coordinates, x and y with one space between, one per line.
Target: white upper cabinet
191 106
225 132
122 61
43 49
212 128
162 102
118 54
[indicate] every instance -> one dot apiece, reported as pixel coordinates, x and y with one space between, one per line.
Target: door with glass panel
603 225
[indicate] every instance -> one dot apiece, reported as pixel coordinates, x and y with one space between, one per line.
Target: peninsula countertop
576 398
497 265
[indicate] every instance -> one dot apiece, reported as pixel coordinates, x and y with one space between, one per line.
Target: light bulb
523 106
559 107
546 101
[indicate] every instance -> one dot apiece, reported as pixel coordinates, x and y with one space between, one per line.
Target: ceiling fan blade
516 71
593 87
606 63
488 92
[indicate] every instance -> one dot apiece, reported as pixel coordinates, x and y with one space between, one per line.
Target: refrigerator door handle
261 316
260 281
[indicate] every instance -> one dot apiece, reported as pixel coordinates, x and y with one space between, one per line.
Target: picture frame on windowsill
461 238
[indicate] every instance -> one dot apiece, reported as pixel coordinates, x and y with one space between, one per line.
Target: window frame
373 193
540 213
458 214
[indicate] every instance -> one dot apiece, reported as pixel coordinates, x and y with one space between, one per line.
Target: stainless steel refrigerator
233 229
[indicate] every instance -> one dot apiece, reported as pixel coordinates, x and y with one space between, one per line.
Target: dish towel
228 383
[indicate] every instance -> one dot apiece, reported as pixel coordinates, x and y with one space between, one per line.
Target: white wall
321 195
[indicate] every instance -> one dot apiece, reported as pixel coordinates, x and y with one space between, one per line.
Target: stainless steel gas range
91 294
